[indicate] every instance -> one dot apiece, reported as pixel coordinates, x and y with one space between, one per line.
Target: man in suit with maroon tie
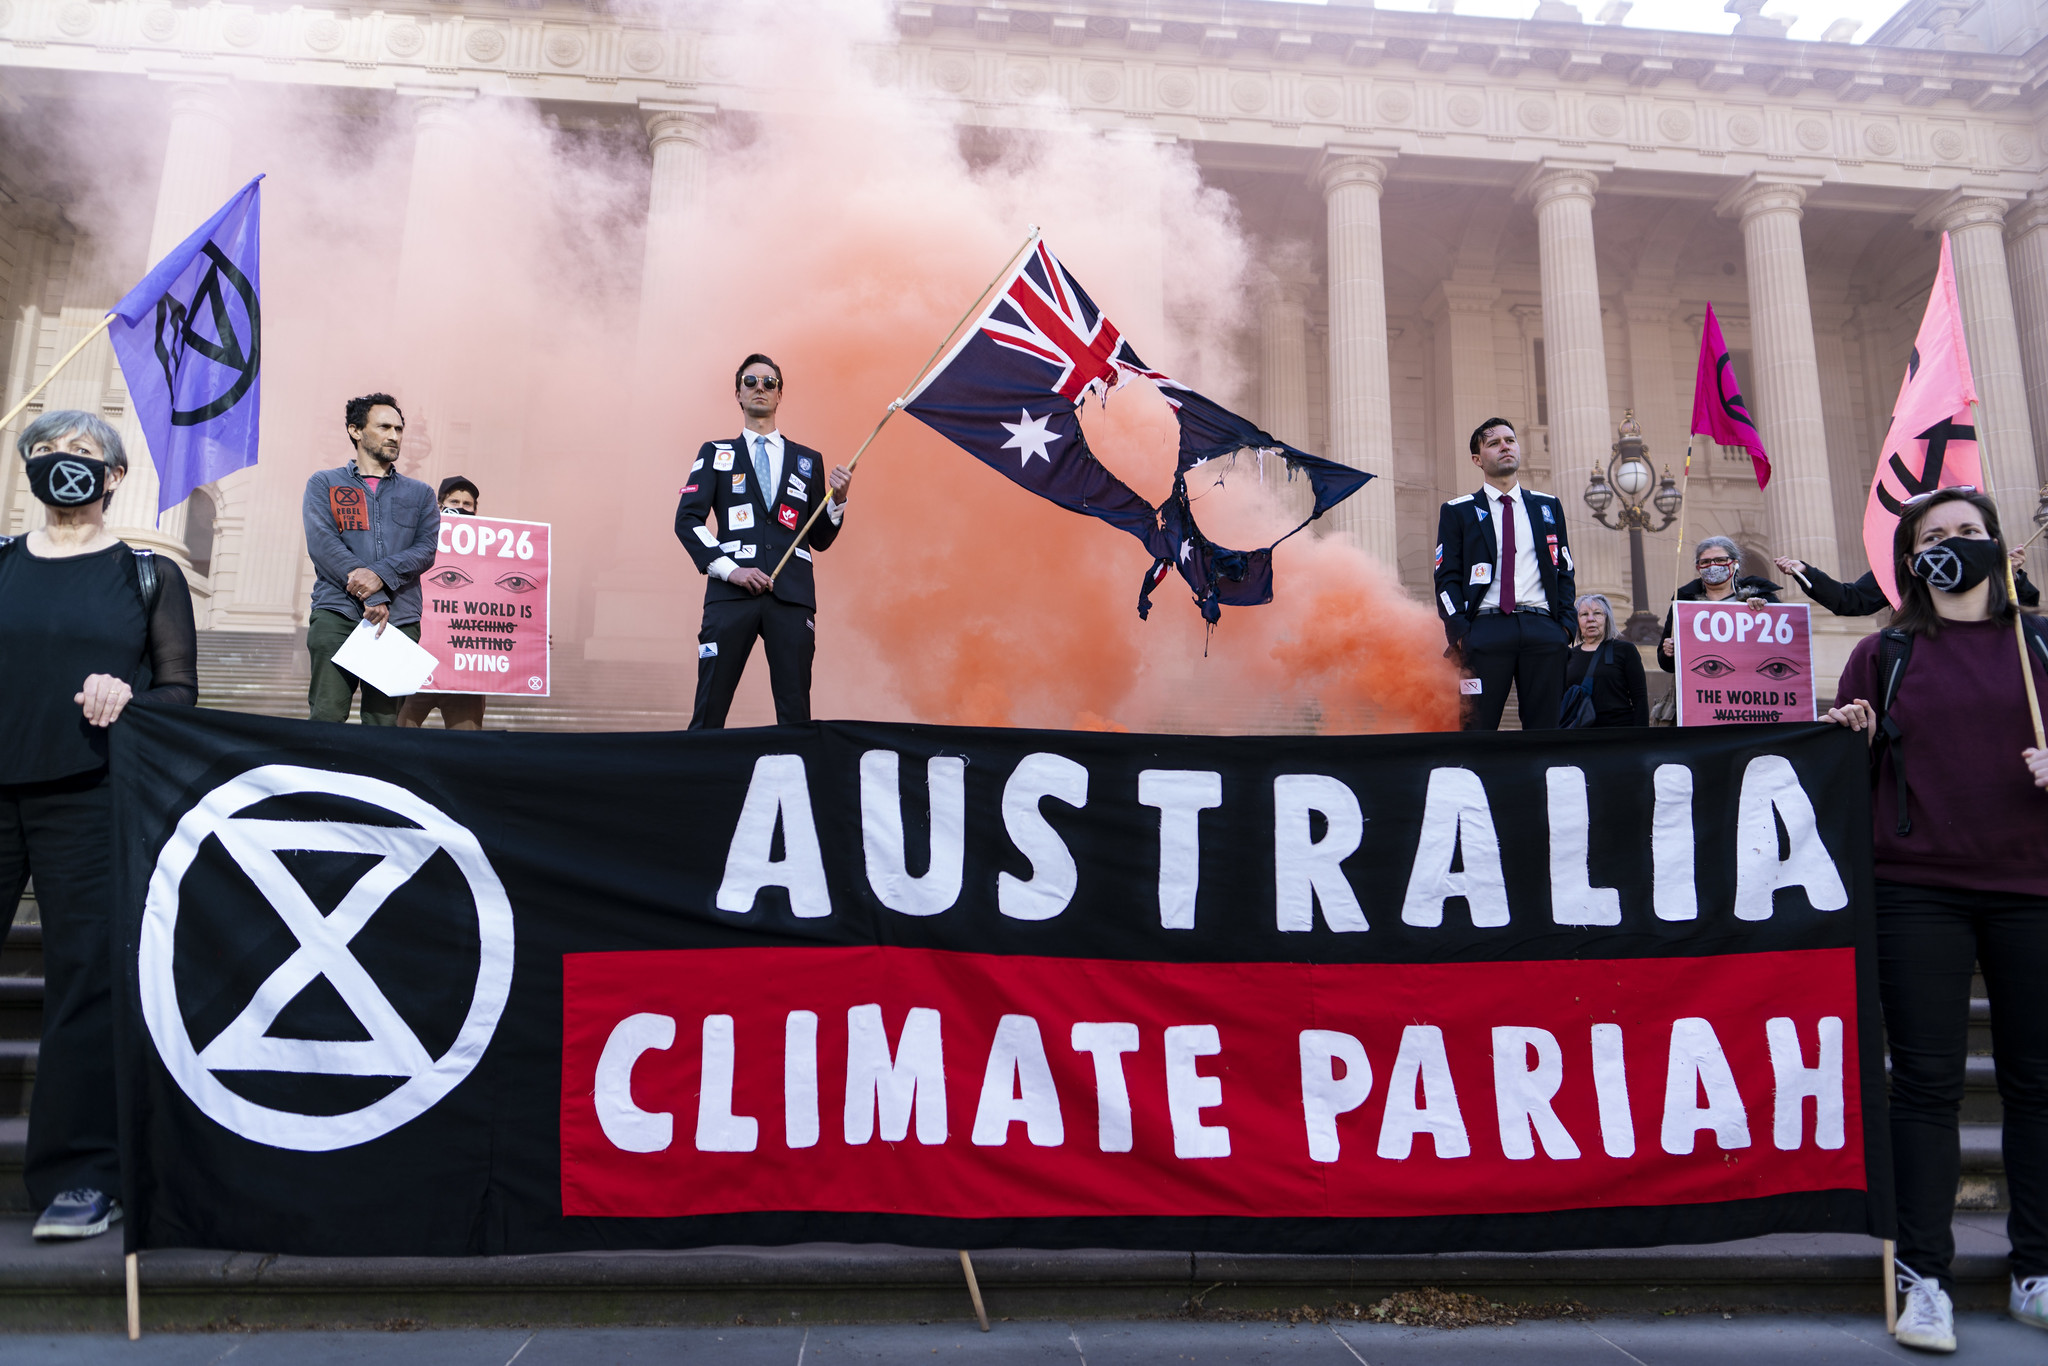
761 489
1505 588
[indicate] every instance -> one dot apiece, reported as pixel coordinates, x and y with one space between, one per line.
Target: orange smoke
845 227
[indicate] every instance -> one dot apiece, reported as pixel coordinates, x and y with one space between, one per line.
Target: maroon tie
1507 553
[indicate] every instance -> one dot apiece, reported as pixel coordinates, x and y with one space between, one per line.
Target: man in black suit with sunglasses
762 490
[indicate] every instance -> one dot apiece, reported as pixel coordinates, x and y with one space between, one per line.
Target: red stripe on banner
730 1080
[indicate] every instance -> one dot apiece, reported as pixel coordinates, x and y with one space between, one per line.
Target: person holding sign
1959 811
459 710
761 489
371 532
1716 560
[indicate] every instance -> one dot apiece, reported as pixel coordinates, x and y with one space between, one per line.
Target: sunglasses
768 382
1919 498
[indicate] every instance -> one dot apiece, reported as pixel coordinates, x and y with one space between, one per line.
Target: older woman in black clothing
86 626
1718 562
1620 697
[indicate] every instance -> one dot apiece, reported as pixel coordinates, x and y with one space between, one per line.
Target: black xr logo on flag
178 340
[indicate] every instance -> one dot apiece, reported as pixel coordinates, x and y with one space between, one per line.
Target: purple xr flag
189 339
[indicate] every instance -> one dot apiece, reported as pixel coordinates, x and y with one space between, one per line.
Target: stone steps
80 1286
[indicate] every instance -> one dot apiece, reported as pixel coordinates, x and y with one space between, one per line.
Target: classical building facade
1475 216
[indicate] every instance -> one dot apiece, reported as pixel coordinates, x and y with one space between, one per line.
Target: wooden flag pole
974 1290
1891 1287
68 357
1678 554
134 1300
2019 631
783 563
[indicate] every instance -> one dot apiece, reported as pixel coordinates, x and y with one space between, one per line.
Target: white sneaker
1927 1320
2029 1301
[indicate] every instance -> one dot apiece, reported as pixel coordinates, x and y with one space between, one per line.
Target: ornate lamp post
1630 475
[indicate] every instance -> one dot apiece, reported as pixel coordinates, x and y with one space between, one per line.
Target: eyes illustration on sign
517 583
452 578
1712 666
1778 670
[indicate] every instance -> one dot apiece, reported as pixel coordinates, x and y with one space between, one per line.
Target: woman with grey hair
87 625
1718 561
1606 670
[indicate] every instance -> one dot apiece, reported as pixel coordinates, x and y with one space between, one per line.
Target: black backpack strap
1894 651
148 582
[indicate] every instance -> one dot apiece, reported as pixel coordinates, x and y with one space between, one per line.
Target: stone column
1361 405
1799 502
1466 370
198 176
1850 483
431 271
1976 233
1582 422
643 604
677 137
1283 374
2027 261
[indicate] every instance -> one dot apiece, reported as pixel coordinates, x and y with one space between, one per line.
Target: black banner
418 992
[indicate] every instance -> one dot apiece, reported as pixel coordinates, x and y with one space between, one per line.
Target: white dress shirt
724 567
1529 594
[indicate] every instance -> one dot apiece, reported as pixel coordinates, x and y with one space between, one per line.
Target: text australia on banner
484 607
967 988
1737 664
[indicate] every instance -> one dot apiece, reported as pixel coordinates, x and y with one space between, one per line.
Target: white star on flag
1186 548
1030 436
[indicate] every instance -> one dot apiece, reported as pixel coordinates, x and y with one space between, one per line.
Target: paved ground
1747 1340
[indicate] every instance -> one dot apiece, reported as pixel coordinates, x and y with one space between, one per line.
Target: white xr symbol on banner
393 1049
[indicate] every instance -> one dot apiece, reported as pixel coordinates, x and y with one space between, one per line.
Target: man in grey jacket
371 532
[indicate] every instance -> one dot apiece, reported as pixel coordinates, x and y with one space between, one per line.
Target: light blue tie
761 464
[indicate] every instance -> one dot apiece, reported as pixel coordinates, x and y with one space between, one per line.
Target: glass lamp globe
1668 496
1633 476
1599 494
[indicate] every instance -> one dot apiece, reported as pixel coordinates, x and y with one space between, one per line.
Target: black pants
789 637
1528 649
60 833
1928 941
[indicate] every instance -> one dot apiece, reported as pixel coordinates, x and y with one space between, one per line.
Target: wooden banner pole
134 1299
2019 632
1029 242
974 1290
1891 1287
65 360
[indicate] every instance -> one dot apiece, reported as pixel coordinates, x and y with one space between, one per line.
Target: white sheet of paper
393 663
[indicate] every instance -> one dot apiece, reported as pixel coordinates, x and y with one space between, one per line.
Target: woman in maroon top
1962 881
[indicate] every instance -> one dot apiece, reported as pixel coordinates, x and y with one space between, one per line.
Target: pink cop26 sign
1736 665
484 608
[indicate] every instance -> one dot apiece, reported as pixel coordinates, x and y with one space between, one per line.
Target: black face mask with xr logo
1957 564
66 481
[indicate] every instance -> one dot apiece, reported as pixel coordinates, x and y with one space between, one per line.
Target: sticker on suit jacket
1546 513
1471 687
697 464
1439 555
739 518
1553 550
1567 553
351 510
745 552
1482 573
722 461
797 488
786 515
708 650
687 488
803 464
739 483
1480 513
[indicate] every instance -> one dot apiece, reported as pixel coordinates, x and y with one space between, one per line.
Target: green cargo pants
333 688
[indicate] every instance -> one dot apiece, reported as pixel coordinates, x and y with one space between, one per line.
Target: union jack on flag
1009 394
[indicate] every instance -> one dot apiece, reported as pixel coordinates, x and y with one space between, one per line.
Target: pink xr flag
1932 442
1718 411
